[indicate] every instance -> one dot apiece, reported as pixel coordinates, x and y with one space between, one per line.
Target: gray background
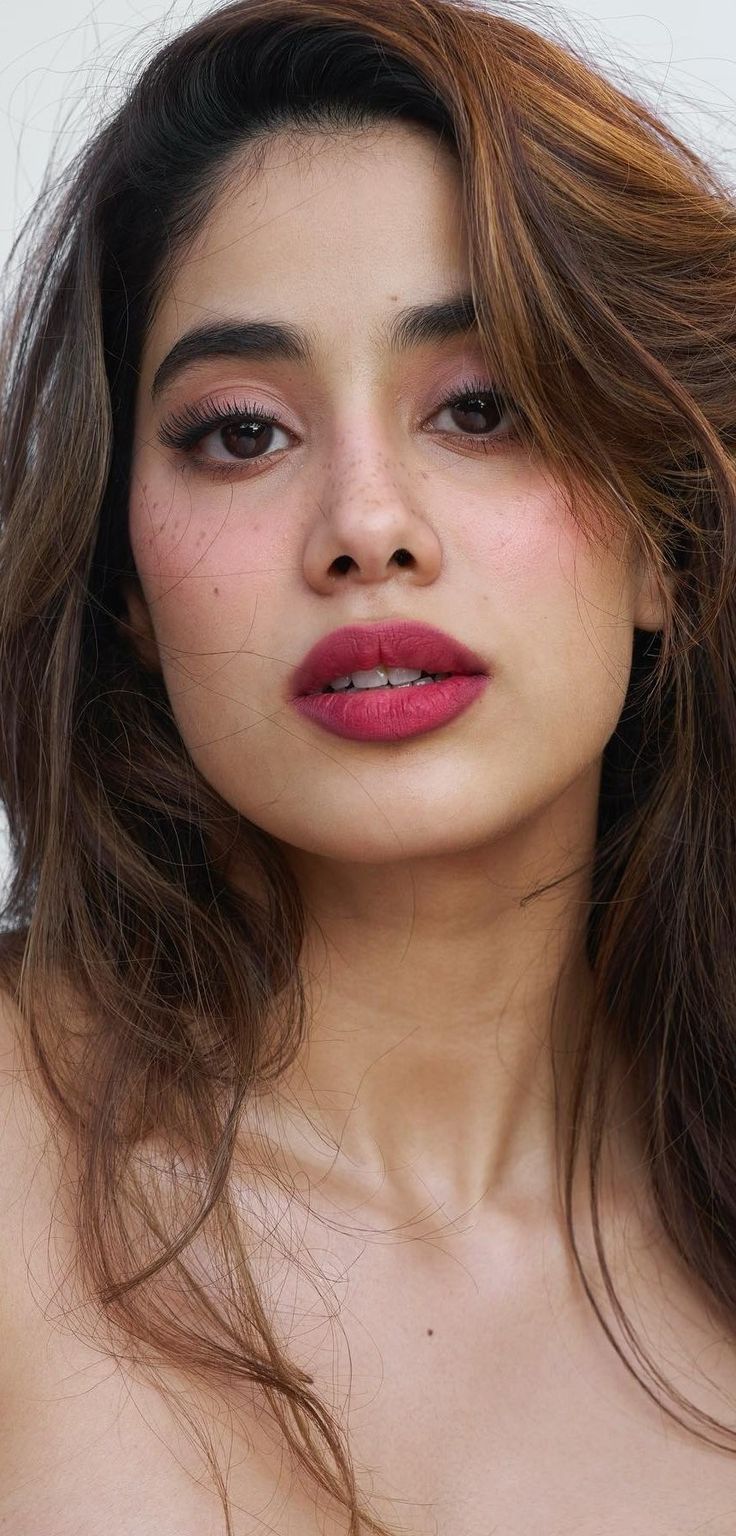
65 65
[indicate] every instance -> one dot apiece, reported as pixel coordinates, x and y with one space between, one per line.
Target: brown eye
479 411
243 438
479 416
236 433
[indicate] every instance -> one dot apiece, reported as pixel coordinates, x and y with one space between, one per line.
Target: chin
393 839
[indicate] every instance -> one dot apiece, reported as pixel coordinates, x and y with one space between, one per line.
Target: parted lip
393 643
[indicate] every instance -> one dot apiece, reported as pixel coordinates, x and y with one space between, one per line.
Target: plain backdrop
64 67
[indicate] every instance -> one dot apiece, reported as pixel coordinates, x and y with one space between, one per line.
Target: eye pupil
477 406
238 436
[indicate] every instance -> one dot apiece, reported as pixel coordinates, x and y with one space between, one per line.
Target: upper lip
393 643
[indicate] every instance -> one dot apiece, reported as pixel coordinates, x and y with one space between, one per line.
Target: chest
484 1397
479 1394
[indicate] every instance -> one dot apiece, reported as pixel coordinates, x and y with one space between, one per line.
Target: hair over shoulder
603 259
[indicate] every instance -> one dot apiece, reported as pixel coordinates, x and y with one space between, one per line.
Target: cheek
558 611
215 594
524 545
202 576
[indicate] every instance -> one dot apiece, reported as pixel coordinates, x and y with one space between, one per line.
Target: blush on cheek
520 547
209 579
176 538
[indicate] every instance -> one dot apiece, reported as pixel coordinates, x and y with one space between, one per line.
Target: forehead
331 231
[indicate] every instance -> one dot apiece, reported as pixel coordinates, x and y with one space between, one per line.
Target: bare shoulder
26 1128
31 1173
22 1125
86 1443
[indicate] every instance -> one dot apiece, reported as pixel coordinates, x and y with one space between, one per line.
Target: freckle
217 591
430 1331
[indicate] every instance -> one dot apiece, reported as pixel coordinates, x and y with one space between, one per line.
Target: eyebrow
273 341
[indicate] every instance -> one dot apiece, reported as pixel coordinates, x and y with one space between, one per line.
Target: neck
428 1070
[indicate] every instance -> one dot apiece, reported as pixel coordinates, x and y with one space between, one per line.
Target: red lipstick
387 713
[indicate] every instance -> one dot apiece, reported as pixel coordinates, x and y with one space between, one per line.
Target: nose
374 536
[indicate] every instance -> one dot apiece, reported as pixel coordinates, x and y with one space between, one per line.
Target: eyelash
190 426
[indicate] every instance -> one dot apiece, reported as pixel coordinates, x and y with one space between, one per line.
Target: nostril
402 557
342 564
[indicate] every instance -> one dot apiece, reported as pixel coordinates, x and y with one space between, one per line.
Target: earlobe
135 627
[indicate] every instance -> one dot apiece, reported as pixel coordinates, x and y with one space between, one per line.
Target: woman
369 749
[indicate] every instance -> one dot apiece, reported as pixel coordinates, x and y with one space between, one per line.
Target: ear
134 624
654 596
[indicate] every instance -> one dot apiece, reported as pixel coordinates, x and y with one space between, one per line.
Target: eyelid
184 429
207 415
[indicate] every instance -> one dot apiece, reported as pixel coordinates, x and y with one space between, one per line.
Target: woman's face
236 536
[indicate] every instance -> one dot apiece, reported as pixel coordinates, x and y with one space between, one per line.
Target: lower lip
391 714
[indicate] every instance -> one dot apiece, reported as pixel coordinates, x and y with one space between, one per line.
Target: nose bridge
366 504
363 454
370 523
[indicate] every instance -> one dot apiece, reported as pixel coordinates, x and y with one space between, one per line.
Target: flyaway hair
155 995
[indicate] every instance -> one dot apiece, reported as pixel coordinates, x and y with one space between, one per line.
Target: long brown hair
603 264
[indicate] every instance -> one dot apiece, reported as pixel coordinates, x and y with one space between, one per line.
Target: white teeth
382 677
397 675
377 678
